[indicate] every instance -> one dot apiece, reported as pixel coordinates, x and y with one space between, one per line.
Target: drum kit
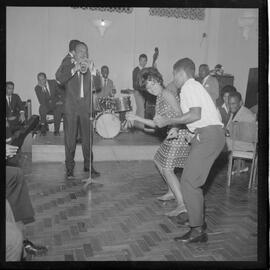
107 123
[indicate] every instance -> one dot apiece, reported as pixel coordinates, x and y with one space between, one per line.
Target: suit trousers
14 237
140 102
17 195
71 120
206 146
14 125
56 111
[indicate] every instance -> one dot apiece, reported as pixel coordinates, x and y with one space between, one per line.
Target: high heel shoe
166 197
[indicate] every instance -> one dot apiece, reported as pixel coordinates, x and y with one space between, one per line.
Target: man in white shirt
209 82
201 117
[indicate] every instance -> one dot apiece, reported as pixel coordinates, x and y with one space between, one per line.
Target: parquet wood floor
121 219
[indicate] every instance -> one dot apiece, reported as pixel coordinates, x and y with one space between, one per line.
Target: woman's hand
161 121
131 117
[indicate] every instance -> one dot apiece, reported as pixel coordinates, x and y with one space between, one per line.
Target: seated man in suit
239 113
224 108
14 238
209 82
15 114
17 195
50 99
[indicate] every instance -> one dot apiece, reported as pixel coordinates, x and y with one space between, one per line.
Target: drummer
107 85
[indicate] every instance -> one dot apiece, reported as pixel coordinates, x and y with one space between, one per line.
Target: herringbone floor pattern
122 220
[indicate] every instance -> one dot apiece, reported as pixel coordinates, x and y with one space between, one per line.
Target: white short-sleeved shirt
193 94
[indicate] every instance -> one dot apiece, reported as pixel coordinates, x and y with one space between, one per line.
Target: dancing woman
172 153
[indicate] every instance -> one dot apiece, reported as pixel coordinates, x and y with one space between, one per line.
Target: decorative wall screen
108 9
184 13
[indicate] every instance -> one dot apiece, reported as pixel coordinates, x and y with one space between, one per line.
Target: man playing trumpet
75 75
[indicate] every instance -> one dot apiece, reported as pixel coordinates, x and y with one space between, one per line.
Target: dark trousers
14 125
206 145
71 120
17 195
56 111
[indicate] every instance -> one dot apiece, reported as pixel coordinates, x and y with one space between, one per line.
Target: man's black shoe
56 133
193 236
33 249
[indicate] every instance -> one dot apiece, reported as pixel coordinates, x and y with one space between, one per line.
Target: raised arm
66 71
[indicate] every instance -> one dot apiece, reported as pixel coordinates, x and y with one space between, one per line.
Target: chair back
27 109
245 132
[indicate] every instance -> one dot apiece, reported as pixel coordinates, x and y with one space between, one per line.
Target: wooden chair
27 105
243 132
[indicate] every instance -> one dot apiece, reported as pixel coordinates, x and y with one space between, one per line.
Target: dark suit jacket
224 115
135 79
48 100
15 106
212 87
71 83
105 91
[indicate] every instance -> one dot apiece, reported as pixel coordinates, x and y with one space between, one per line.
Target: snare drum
107 125
122 104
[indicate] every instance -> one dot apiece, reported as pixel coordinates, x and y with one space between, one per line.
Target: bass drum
107 125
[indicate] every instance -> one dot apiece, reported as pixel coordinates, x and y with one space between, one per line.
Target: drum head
108 125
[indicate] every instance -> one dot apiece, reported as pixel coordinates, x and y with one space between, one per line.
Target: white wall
235 53
37 40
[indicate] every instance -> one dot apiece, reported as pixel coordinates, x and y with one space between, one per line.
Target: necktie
9 101
47 91
105 82
81 85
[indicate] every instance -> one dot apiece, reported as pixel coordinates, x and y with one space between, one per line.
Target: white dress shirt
193 94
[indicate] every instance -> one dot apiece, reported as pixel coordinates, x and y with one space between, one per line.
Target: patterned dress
171 153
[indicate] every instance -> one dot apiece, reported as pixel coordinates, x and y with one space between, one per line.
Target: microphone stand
89 181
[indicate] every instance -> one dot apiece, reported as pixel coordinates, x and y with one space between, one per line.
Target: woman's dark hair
148 74
228 89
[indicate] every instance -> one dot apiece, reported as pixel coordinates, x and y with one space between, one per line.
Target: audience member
239 113
209 82
14 238
50 98
17 195
15 114
224 108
